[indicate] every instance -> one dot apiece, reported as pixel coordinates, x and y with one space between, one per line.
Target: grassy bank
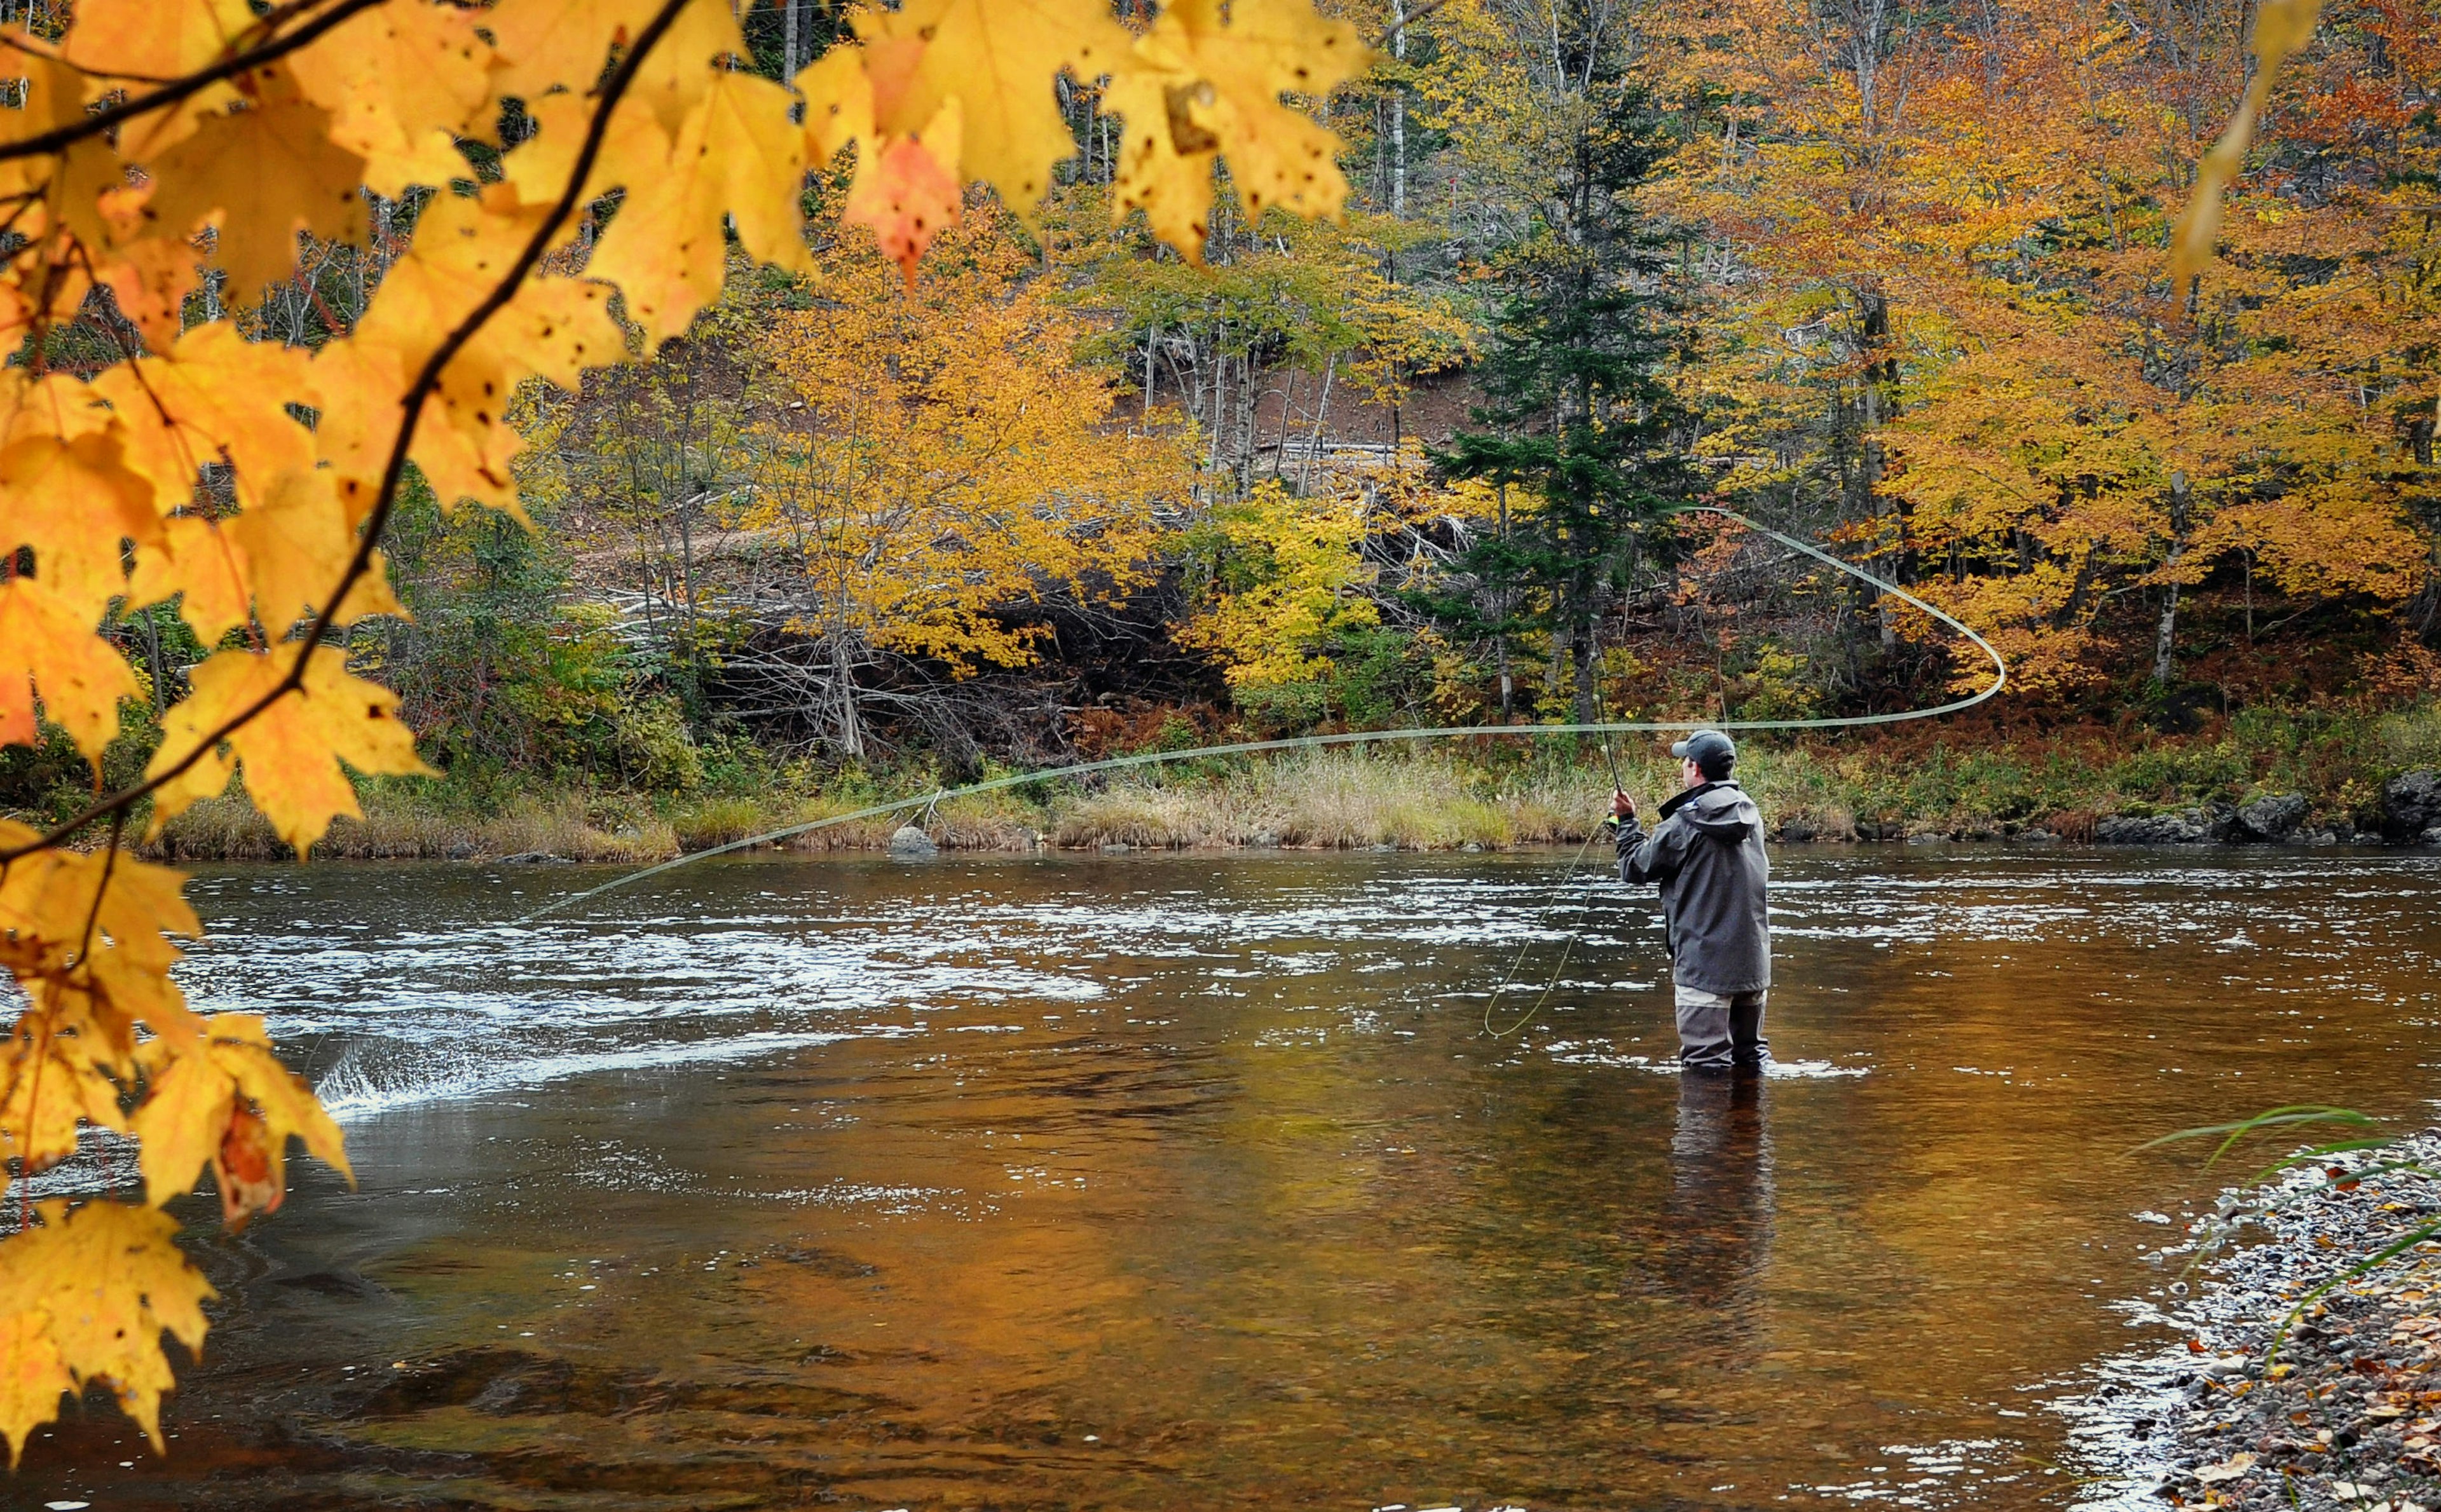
1959 782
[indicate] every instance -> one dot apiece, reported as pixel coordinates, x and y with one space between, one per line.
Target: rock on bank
2346 1413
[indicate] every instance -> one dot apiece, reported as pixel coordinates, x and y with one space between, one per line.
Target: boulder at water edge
2271 819
2411 804
911 844
2152 829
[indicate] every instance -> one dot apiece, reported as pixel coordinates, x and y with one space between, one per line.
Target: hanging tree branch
427 379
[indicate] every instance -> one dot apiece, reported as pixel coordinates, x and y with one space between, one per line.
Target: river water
1193 1181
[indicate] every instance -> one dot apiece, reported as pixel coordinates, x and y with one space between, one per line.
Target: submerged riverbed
1195 1181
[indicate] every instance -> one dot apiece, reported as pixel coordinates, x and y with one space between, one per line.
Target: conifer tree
1580 431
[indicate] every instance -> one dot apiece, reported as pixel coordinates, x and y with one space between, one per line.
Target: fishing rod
1604 728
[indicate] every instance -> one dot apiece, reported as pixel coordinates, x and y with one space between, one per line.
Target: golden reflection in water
1267 1221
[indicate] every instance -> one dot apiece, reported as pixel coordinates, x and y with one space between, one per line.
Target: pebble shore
2345 1413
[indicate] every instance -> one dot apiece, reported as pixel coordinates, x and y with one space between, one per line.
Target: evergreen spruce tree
1586 440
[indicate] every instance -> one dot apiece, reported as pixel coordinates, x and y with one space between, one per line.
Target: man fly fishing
1707 854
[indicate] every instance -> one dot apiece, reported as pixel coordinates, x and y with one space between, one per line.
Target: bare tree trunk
1246 421
1220 396
1582 652
851 724
1152 338
1876 401
1562 634
1500 640
152 663
1399 114
2164 639
1313 441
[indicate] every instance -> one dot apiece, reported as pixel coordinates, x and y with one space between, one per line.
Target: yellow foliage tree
1282 574
943 456
163 158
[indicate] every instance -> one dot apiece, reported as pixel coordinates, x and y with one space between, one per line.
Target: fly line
1374 737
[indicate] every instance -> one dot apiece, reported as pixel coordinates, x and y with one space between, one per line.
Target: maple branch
176 90
270 20
1421 13
93 916
394 471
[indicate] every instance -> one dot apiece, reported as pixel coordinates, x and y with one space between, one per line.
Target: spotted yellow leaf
292 749
49 650
215 397
666 250
296 538
999 60
401 80
1199 85
75 502
259 176
100 1284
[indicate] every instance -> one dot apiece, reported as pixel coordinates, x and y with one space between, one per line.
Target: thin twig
426 380
170 94
1421 13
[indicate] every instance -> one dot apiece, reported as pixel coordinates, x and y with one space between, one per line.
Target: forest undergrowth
1965 781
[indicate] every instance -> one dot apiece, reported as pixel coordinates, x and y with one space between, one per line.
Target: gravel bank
2346 1415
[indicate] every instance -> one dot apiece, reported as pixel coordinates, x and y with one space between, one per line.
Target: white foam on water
364 1084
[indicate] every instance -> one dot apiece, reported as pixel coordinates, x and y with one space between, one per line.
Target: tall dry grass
1338 799
228 829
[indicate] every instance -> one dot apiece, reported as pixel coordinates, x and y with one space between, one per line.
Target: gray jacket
1707 855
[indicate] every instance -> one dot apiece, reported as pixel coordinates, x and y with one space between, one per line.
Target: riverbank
2343 1413
2261 777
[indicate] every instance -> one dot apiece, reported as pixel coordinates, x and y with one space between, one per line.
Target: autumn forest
597 430
1894 277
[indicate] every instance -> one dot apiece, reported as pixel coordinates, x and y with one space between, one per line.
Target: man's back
1707 855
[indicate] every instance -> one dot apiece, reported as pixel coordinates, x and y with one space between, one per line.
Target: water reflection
1721 1202
1190 1181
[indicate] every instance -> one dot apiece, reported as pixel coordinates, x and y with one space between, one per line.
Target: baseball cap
1714 752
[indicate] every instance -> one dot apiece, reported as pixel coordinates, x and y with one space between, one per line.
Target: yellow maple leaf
260 174
48 649
216 396
1171 184
998 59
685 64
32 1378
665 249
554 327
185 1111
75 502
401 82
151 279
545 44
295 539
634 148
287 1105
202 568
105 1280
355 387
151 39
52 95
56 405
44 1088
189 1099
292 749
48 899
1196 85
838 102
104 1000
